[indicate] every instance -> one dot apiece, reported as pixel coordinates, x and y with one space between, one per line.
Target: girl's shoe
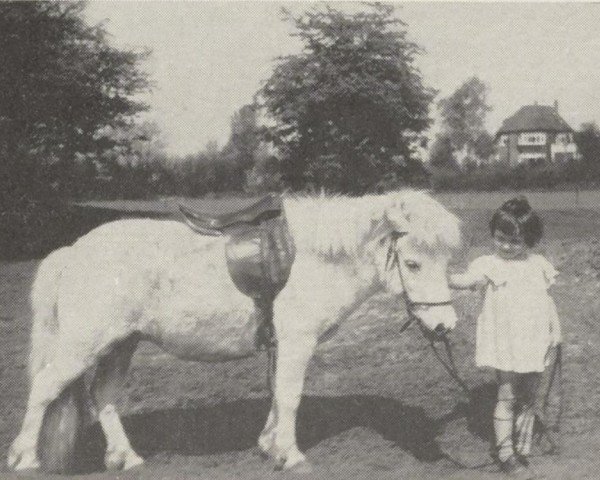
522 459
515 469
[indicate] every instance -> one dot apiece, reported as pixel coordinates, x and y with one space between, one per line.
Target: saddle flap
260 259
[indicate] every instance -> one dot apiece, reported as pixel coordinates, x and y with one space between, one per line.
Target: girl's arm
473 277
462 281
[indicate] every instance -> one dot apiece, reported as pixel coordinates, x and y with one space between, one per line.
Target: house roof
540 118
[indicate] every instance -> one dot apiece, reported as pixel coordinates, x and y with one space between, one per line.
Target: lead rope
544 429
450 365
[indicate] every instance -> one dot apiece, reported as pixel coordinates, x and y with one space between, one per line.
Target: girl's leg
504 415
528 386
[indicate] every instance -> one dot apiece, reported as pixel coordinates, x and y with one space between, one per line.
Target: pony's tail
44 303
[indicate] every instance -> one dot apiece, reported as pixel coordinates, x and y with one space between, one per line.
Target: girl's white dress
518 321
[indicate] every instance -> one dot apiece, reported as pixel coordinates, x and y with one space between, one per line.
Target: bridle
393 260
439 333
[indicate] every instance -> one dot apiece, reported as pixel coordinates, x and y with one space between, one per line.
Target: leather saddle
259 248
210 223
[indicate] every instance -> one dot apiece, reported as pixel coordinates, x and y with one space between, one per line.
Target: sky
209 58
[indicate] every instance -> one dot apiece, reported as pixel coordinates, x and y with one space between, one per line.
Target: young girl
517 326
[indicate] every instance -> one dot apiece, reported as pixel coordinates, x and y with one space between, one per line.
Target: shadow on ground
479 411
235 426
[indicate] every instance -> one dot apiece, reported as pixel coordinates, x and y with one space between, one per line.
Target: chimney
556 105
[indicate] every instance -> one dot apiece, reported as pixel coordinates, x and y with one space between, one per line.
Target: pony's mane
336 226
430 224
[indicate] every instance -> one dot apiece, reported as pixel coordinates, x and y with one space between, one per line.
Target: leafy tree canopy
352 103
245 137
441 154
463 117
61 82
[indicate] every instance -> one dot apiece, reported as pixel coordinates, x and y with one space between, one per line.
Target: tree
265 175
441 154
60 83
130 168
350 103
245 137
484 146
463 120
588 145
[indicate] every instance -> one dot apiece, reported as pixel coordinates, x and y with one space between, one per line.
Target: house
535 135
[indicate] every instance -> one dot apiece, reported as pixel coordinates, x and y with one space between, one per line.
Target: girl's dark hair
516 217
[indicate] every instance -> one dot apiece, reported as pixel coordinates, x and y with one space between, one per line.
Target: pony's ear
398 220
383 227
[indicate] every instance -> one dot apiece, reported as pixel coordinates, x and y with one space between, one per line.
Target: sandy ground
377 404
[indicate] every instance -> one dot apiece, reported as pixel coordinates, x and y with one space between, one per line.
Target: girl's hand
466 282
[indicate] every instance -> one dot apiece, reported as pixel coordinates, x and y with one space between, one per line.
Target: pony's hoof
265 445
25 460
295 461
122 460
133 460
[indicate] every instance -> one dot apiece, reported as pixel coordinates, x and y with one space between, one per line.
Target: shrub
33 229
518 178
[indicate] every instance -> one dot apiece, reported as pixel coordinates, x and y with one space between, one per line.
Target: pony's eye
412 265
382 241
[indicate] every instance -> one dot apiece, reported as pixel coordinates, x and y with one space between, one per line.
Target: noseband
393 260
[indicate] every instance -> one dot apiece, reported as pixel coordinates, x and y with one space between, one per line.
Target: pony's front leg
266 440
293 355
267 436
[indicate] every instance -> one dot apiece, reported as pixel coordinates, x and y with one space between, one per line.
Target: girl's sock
503 427
504 443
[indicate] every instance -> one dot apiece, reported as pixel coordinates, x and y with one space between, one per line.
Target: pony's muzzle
437 319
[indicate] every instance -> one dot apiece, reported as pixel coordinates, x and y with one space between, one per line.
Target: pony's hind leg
106 388
46 386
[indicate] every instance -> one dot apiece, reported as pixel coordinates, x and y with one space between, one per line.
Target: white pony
157 280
